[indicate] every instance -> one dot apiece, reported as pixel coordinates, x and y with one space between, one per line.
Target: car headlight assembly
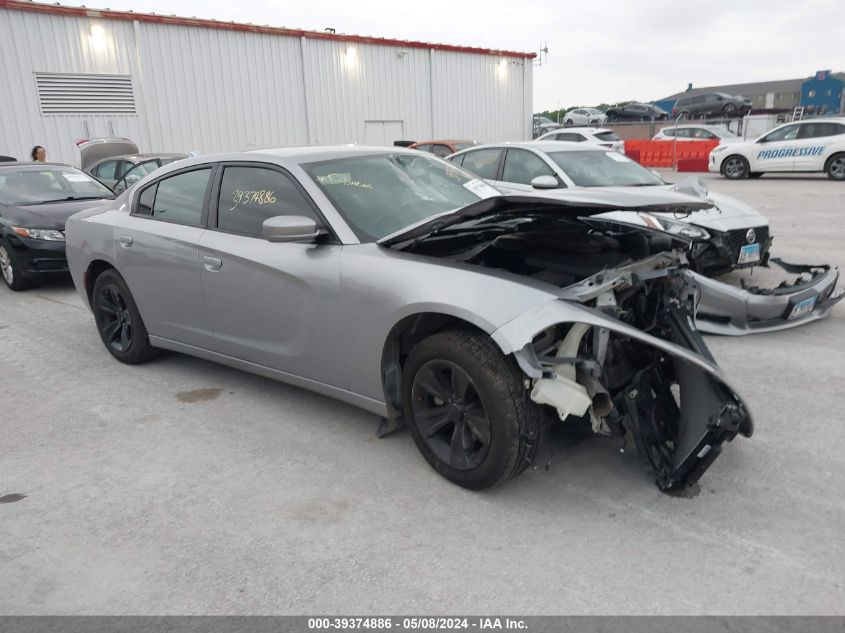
48 235
673 227
718 148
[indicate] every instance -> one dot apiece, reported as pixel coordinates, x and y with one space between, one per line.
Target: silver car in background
724 235
397 282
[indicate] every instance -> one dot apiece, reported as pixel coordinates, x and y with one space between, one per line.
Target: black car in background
36 199
711 104
636 112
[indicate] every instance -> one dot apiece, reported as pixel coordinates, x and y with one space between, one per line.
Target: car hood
714 211
52 215
575 203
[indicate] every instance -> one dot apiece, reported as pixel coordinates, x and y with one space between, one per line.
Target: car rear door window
145 200
817 130
250 195
181 198
484 163
522 166
607 136
441 150
106 170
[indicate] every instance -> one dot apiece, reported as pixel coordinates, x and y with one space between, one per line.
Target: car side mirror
545 182
290 228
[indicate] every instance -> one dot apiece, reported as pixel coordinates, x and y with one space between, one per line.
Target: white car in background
593 135
811 145
584 116
697 133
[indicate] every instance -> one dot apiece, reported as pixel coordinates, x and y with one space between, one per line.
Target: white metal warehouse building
181 84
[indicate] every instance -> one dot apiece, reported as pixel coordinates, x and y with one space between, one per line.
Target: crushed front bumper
729 310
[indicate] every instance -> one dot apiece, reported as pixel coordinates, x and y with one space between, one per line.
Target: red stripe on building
108 14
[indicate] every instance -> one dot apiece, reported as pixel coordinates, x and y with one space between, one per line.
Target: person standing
39 154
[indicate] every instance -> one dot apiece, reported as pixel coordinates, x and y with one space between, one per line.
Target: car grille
736 239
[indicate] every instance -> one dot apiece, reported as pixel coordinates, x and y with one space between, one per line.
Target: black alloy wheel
467 409
118 320
114 319
450 414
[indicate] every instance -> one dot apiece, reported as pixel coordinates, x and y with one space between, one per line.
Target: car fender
516 336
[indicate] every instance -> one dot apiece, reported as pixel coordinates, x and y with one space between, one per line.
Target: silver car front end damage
726 309
666 394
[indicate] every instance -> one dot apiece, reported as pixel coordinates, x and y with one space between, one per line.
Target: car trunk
95 150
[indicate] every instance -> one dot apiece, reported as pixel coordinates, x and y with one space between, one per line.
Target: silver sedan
399 283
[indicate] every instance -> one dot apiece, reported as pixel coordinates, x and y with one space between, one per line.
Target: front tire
735 167
118 320
467 409
568 123
10 269
835 168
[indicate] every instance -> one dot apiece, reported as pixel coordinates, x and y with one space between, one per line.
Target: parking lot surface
184 487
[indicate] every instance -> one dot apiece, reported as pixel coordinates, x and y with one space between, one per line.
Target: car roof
451 141
584 128
32 165
819 119
695 125
312 153
543 146
142 157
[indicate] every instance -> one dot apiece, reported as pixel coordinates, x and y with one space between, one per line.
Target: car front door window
786 133
250 195
522 166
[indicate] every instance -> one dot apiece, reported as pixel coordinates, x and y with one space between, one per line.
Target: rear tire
467 409
735 167
118 320
10 268
835 168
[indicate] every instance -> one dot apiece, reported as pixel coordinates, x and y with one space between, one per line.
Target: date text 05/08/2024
416 623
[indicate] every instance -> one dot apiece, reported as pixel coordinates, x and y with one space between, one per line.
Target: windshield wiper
75 198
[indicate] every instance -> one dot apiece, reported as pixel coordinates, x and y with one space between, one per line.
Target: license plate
802 307
749 254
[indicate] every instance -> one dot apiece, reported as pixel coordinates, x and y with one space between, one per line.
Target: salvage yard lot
181 486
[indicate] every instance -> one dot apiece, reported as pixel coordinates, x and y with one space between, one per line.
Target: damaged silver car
401 284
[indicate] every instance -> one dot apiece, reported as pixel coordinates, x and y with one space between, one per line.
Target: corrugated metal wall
221 90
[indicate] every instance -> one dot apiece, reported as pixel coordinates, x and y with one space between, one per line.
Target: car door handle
212 263
125 240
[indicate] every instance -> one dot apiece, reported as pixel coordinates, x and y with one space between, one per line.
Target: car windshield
594 111
28 185
603 169
381 194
